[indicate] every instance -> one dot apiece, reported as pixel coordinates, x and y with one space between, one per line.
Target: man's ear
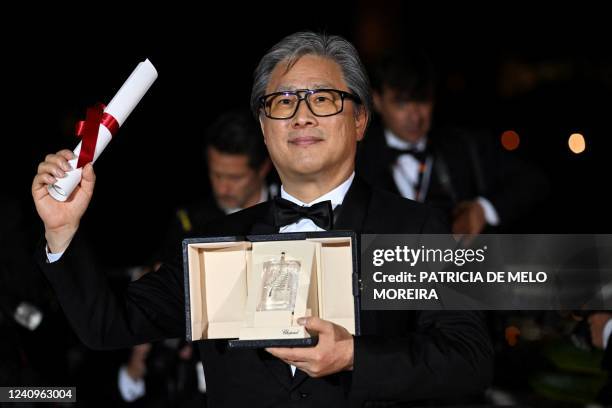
361 122
261 125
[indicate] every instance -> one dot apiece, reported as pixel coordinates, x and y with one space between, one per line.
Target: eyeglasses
321 102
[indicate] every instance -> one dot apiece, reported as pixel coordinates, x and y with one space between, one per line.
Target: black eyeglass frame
306 93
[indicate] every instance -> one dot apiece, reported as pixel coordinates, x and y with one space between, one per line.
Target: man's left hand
333 353
468 218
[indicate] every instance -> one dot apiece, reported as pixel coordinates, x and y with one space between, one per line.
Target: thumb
314 324
88 178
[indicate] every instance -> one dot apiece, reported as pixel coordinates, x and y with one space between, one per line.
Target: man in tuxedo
465 174
311 96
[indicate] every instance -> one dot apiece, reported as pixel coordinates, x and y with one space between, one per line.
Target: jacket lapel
265 225
352 213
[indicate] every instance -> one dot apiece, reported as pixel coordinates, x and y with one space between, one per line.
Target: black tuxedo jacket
466 165
400 356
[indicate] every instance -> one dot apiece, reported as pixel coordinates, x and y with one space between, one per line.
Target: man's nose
224 187
411 112
303 117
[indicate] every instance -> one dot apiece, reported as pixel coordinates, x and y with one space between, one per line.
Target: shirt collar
336 196
397 143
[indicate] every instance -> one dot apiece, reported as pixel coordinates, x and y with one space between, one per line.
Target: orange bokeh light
510 140
576 143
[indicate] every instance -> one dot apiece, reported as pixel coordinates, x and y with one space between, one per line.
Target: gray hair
291 48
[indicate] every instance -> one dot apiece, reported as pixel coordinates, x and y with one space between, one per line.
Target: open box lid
210 316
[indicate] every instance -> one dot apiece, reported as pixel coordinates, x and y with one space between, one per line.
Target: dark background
543 73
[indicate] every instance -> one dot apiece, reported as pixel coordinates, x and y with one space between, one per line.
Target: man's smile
304 141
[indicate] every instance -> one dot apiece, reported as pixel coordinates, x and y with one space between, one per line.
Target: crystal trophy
279 285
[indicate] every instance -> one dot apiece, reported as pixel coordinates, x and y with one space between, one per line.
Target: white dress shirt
130 388
336 196
406 169
51 257
606 333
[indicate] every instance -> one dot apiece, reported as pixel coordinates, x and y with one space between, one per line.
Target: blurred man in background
239 173
470 178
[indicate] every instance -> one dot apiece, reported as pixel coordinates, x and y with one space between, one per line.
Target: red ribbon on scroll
87 130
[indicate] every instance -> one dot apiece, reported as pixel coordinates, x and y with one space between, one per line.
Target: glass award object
279 285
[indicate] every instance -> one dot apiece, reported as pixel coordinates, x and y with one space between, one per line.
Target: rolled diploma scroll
120 108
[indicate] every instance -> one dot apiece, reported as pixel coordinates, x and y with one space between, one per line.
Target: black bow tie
286 213
419 155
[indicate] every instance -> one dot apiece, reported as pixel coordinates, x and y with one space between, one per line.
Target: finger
40 183
62 160
88 173
284 353
291 353
66 154
51 168
308 368
59 160
42 180
297 363
315 324
301 365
